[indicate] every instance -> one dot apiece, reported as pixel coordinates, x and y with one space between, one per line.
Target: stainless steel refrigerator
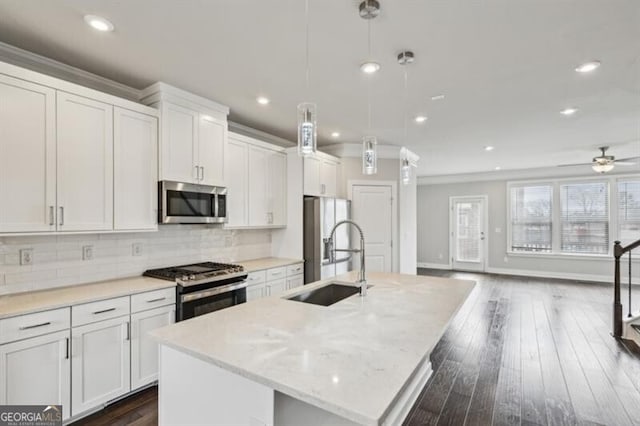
320 214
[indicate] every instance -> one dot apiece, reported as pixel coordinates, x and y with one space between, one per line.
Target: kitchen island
362 360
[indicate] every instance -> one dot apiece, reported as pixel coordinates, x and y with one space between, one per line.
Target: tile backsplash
58 259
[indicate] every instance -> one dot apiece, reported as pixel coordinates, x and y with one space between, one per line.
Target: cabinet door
295 281
144 349
37 371
212 137
85 164
258 163
237 180
101 363
277 189
255 292
27 156
276 288
179 144
135 151
312 176
328 178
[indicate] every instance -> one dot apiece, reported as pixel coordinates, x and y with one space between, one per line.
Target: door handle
51 219
61 215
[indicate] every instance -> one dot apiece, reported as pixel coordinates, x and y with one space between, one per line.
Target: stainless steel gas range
204 287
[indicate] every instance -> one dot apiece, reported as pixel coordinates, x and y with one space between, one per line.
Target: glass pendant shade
602 167
307 129
405 172
369 155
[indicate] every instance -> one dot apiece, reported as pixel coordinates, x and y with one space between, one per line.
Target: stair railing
618 252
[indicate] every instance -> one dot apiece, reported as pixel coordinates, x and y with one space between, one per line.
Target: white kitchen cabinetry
101 363
193 135
27 156
135 146
255 173
85 164
274 281
144 350
320 175
276 287
294 282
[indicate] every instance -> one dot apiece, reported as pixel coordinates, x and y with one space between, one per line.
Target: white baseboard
433 265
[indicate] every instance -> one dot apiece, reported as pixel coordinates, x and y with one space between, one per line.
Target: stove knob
185 278
192 277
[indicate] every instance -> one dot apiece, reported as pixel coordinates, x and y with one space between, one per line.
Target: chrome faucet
329 244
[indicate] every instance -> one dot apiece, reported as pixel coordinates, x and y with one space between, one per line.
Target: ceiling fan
605 163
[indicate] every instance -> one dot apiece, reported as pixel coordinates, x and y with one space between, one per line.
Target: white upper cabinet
212 138
320 175
27 156
236 173
135 146
258 167
277 189
85 163
179 144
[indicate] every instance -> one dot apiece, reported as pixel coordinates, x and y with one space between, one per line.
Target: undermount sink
326 295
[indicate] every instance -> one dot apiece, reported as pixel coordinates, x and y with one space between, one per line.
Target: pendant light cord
306 18
406 101
369 82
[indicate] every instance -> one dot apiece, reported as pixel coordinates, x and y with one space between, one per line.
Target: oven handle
212 292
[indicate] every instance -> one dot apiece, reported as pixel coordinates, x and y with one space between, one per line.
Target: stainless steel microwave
190 203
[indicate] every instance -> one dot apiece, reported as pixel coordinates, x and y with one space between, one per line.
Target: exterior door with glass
468 233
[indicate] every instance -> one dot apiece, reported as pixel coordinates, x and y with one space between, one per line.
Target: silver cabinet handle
68 343
29 327
61 215
202 169
156 300
197 169
104 311
51 219
128 331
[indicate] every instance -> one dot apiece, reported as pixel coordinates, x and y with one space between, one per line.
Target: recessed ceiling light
498 168
569 111
262 100
370 67
489 148
421 119
437 97
335 134
98 23
588 66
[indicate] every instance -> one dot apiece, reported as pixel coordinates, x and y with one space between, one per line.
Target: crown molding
241 129
38 63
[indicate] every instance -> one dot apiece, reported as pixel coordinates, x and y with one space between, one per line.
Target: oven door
187 203
209 300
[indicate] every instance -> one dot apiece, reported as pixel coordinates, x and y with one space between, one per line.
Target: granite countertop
352 358
267 263
25 303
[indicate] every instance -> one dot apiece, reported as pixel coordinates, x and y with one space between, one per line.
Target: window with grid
628 211
531 218
584 218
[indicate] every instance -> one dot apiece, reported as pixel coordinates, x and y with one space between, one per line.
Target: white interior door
371 207
468 233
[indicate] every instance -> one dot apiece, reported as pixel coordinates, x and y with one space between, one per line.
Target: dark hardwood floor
521 351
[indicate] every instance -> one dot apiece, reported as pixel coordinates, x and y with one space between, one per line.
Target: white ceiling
506 68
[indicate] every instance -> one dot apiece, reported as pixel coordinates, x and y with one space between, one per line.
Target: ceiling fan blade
629 161
625 163
572 165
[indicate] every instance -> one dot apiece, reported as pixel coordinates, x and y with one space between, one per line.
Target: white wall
57 260
433 236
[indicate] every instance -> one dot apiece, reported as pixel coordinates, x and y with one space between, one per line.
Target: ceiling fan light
602 167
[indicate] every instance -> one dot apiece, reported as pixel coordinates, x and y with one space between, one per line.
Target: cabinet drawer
296 269
30 325
257 277
99 311
276 273
153 299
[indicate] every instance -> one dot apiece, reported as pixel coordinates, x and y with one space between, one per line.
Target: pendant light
369 9
405 58
307 121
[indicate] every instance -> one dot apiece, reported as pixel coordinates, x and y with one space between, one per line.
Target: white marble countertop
352 358
267 263
35 301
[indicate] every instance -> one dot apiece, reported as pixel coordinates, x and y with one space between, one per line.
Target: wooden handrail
618 252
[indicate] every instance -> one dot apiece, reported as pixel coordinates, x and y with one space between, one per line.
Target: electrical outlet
498 230
26 256
136 249
87 252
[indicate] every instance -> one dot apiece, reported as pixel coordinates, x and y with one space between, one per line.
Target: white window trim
612 182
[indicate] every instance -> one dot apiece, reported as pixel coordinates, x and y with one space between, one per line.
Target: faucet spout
362 279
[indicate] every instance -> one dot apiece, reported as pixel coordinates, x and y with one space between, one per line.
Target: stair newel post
617 305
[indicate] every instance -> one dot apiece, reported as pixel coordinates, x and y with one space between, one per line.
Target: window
628 211
531 218
584 218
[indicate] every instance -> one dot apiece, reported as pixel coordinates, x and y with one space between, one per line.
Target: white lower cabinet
274 281
276 288
37 371
294 282
255 292
101 358
144 350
